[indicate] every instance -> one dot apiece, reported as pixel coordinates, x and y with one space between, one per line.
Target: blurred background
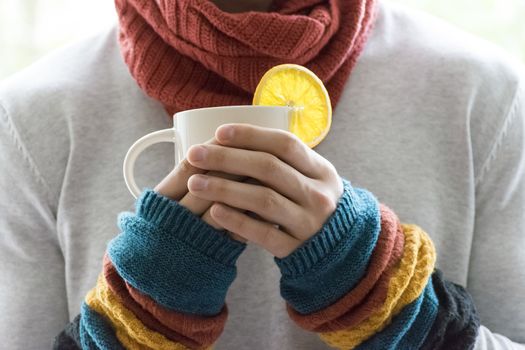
31 28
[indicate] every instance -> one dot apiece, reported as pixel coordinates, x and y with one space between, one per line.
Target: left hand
298 190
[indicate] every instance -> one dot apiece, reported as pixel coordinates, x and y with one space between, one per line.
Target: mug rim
231 107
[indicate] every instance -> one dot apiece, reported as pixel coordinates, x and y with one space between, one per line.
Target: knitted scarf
189 53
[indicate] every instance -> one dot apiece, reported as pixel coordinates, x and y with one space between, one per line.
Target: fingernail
218 211
198 183
225 132
197 153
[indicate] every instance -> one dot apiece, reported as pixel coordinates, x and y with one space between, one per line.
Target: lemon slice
298 87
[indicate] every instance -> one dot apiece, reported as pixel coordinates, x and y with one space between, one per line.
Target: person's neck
235 6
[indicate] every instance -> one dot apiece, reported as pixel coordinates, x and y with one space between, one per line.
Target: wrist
332 262
170 254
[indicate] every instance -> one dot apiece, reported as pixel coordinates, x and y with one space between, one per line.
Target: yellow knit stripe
130 331
424 269
407 283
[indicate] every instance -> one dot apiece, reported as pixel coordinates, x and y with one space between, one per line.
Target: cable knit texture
168 253
364 281
334 260
189 53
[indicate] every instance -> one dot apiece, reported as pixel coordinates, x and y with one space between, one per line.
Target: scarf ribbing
189 53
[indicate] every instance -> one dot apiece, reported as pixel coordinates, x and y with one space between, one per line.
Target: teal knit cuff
95 331
172 255
334 260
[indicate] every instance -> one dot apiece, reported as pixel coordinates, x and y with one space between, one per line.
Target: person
403 229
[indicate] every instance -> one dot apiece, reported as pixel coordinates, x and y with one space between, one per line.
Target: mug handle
165 135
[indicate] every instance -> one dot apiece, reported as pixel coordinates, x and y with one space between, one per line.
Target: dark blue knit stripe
95 332
168 253
334 260
410 327
69 338
85 339
457 323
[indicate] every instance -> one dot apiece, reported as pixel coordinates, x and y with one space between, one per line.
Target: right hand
175 187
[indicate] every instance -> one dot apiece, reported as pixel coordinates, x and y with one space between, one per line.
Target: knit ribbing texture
130 330
193 331
189 53
409 328
334 260
408 282
371 291
69 338
457 322
96 332
173 256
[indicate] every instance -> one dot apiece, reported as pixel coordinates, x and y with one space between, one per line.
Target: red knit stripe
371 291
195 332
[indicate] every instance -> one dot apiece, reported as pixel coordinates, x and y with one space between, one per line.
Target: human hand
174 186
299 188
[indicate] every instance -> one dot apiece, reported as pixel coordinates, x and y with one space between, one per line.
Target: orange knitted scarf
189 53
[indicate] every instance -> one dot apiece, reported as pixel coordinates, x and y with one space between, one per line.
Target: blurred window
31 28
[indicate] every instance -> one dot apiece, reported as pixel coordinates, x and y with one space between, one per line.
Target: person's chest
411 155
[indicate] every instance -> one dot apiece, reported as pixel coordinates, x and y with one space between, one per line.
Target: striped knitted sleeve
366 281
163 283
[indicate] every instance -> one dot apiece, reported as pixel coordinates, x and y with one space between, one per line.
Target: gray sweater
432 121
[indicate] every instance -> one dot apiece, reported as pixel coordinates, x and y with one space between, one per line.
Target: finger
206 217
280 143
174 185
211 221
199 205
261 233
249 213
265 202
262 166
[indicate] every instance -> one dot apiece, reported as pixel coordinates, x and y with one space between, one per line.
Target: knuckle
268 200
309 225
324 202
290 144
184 167
271 164
331 170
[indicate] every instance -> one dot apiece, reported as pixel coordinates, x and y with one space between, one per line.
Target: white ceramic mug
196 126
